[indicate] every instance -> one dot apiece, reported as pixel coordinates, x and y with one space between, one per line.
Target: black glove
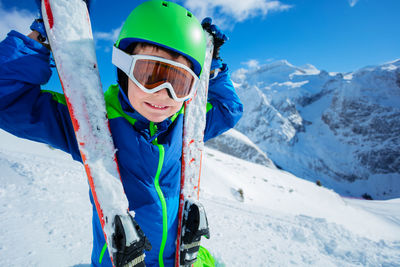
219 37
129 252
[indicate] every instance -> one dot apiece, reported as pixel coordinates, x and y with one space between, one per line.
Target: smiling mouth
156 106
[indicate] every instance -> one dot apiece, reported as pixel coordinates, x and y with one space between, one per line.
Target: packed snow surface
258 216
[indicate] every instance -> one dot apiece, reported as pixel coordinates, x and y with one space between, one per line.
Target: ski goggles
152 74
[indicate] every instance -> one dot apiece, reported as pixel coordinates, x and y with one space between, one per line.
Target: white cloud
226 12
109 39
352 2
252 63
14 19
108 36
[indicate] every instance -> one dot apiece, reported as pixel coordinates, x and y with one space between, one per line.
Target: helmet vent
165 4
189 14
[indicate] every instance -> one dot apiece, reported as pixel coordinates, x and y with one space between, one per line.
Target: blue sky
334 35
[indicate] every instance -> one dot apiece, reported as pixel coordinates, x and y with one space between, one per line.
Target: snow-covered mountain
237 144
258 216
341 129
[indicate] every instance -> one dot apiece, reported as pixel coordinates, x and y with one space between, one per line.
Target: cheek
174 109
134 93
177 107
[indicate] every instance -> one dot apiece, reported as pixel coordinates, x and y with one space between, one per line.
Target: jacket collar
142 124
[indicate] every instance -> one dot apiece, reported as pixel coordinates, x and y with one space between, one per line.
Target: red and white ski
188 240
70 36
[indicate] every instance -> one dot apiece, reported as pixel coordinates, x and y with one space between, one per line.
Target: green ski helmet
167 25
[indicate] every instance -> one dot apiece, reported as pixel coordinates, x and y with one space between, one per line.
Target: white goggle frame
126 63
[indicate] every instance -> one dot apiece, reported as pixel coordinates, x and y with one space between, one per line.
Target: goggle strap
121 60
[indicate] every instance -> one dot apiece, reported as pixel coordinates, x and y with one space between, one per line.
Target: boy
159 43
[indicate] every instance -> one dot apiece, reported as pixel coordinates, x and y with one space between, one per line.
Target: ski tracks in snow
287 240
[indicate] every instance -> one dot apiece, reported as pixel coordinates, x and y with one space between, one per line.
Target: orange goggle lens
151 73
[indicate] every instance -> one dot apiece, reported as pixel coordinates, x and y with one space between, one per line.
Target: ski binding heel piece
194 226
129 242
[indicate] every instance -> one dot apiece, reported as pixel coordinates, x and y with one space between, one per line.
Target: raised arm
25 110
224 108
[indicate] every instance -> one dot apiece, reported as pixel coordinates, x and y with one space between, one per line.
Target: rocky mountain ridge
340 128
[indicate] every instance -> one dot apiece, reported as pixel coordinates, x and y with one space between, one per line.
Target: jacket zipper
153 129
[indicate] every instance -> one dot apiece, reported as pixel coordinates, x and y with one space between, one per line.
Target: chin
156 119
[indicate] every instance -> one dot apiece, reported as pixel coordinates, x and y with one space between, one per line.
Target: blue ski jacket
29 112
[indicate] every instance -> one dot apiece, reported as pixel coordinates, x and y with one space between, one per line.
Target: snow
258 216
44 206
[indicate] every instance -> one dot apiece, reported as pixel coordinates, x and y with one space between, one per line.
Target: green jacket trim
153 130
58 97
204 258
209 106
103 250
113 106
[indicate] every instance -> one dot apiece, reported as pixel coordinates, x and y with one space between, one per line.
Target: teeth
157 106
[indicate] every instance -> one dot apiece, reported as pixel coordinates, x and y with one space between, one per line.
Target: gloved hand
219 37
38 26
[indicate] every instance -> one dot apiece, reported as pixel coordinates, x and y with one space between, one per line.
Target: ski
192 222
68 29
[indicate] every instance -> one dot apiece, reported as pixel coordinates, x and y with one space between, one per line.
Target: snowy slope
280 220
341 129
44 206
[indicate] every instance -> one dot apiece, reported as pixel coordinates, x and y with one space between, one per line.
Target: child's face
158 106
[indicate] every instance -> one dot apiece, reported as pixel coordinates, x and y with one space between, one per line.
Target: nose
164 92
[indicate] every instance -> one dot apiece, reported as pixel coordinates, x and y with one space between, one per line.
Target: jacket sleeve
224 108
25 110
